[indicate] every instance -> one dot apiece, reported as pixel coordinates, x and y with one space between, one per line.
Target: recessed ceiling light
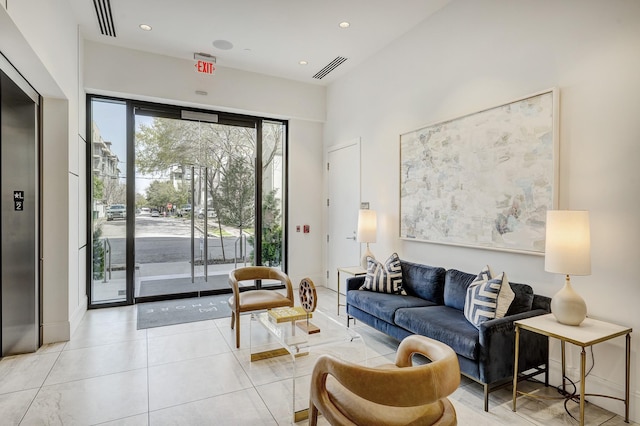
223 44
145 27
303 62
344 24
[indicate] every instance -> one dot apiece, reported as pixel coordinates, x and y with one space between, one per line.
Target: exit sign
205 67
205 63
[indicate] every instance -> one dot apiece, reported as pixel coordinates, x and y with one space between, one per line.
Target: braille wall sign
18 200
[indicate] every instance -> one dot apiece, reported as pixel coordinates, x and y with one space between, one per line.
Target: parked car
155 213
145 211
210 214
184 209
116 211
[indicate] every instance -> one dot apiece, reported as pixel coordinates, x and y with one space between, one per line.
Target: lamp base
363 261
567 305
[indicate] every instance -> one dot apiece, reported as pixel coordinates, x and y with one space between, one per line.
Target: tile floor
110 373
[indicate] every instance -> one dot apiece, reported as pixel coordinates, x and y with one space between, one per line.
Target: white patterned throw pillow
384 278
488 297
505 297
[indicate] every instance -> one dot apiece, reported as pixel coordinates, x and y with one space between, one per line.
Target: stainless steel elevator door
19 219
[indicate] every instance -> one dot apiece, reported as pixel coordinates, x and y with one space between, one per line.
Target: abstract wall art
484 179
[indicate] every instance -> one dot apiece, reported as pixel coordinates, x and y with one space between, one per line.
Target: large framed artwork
485 179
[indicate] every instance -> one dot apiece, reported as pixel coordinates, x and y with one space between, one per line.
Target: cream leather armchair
396 394
256 300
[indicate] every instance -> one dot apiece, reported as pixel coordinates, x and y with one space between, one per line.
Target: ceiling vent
330 67
105 18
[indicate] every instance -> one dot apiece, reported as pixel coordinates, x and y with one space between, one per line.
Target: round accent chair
396 394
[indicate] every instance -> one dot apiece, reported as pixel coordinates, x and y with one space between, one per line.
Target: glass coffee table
292 339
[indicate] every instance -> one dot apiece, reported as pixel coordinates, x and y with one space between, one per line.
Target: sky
111 118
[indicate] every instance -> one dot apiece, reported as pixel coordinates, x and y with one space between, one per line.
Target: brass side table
589 333
354 271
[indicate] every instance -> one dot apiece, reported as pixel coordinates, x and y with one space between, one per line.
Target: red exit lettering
205 67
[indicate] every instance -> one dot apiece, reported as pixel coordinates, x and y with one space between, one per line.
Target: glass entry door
179 198
195 204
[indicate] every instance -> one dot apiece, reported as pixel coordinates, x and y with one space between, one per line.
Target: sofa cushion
445 324
426 282
383 305
455 288
384 278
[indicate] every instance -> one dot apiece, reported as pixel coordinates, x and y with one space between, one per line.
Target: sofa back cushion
426 282
455 288
523 301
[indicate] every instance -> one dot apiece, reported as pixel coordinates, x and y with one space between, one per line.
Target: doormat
170 312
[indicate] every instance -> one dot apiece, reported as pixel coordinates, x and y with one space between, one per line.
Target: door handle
352 238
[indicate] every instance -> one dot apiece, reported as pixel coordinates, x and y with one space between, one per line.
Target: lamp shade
568 242
367 226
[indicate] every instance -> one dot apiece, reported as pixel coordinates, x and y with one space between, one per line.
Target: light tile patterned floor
110 373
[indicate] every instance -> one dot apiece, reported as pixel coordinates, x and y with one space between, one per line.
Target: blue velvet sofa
433 307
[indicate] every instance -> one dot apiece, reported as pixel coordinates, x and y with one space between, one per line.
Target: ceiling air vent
330 67
105 18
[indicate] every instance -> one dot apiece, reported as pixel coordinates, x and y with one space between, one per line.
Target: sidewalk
114 289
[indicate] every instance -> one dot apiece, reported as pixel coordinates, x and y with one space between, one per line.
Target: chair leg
233 319
237 330
313 414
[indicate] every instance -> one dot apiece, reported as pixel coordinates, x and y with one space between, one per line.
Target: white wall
306 255
477 54
43 46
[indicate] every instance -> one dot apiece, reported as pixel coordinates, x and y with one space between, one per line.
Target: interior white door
343 204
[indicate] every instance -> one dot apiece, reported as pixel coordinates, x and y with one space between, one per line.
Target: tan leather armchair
395 394
256 300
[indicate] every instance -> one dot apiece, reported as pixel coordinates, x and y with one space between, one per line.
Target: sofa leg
486 397
546 373
349 318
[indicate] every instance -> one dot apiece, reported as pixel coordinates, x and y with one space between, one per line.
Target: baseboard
61 331
634 411
604 386
599 385
78 314
319 280
56 332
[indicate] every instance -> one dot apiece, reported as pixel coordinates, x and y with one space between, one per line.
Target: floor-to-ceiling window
272 220
108 184
179 199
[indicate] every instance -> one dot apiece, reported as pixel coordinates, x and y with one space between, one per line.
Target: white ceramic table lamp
367 229
568 251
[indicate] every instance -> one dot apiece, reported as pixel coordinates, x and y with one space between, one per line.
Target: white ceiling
268 36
